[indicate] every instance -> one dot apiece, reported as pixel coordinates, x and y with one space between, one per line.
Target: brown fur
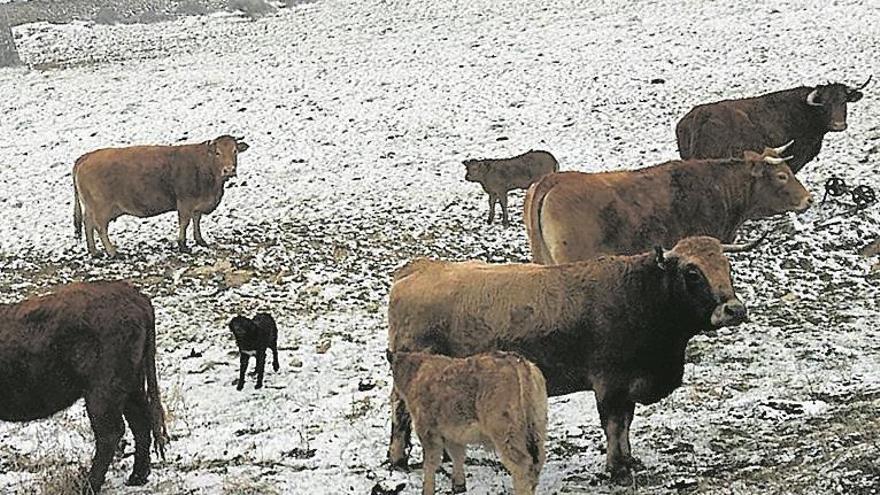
730 127
93 340
574 216
145 181
617 325
497 399
501 175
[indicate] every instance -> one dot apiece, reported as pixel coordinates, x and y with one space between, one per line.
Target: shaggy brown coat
93 340
730 127
146 181
499 176
617 325
575 216
497 399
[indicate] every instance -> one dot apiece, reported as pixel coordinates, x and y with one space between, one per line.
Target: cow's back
139 180
582 216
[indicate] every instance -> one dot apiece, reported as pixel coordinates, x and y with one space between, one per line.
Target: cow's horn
863 84
239 138
782 148
811 98
772 160
748 246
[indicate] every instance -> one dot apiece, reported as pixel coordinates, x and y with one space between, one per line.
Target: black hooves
137 479
459 488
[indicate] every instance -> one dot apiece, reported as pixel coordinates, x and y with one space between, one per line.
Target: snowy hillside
358 114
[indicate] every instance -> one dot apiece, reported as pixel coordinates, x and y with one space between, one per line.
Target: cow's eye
782 177
693 275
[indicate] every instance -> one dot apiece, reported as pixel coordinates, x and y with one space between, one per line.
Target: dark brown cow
575 216
803 115
93 340
499 176
145 181
617 325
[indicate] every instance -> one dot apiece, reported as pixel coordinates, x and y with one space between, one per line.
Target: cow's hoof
94 254
258 386
399 465
137 479
202 243
462 488
276 366
634 462
239 387
184 249
621 475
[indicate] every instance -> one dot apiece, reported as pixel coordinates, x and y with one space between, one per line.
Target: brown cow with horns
575 216
616 325
145 181
803 115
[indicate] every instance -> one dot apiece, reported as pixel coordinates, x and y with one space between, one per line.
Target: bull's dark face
776 190
702 283
831 100
226 150
476 171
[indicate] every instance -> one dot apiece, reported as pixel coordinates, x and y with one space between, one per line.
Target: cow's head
700 280
831 100
775 187
476 170
225 150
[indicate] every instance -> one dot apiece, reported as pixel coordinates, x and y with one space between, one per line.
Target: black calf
253 337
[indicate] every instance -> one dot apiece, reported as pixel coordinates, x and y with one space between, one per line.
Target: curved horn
811 98
782 148
863 84
748 246
772 160
239 138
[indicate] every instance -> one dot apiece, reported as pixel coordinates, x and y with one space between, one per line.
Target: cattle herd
628 266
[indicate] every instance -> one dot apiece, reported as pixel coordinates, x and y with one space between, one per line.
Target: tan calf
500 176
498 399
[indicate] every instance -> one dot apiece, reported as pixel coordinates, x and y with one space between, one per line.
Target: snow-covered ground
358 114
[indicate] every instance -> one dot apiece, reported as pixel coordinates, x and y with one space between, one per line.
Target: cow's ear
751 156
854 96
660 257
242 146
758 167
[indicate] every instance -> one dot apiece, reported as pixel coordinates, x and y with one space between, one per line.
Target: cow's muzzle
805 204
837 126
729 314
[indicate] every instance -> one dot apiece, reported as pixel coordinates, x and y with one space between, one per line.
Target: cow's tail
534 203
77 207
157 412
533 400
413 266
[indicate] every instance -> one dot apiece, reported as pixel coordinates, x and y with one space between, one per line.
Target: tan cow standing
498 399
575 216
145 181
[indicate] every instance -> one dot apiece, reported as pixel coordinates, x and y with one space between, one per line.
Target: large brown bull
145 181
574 216
616 325
803 115
93 340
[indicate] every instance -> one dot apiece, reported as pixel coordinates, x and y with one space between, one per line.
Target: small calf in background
500 176
253 337
498 399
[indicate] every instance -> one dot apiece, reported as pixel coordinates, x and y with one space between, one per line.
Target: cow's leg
242 369
457 451
612 414
106 420
183 217
137 413
502 198
491 208
401 430
432 449
261 367
90 235
101 225
197 228
626 451
275 364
